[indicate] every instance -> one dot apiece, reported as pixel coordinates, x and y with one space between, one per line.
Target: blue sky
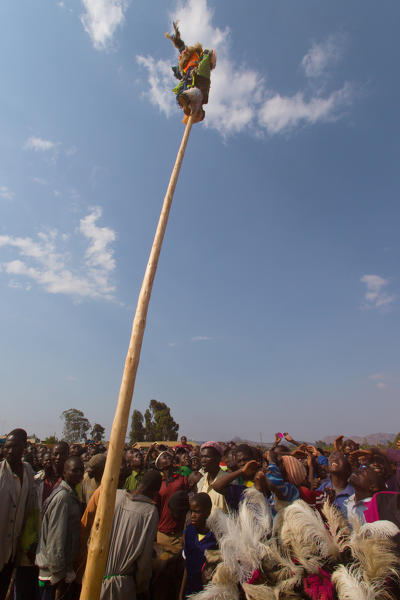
276 302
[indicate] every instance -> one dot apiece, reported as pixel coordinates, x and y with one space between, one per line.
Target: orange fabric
86 527
192 62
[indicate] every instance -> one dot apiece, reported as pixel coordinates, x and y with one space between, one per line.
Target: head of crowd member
244 454
230 460
60 454
210 457
75 450
294 471
366 482
91 450
124 472
280 450
195 463
14 447
129 458
184 459
164 462
85 458
178 504
200 509
350 446
380 464
47 465
73 471
195 451
183 440
149 485
95 467
137 460
338 465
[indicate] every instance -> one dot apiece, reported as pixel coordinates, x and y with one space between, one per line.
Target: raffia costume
194 72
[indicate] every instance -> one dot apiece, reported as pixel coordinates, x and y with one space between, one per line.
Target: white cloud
41 261
239 97
5 193
201 338
375 296
322 55
102 18
284 113
381 385
39 144
160 84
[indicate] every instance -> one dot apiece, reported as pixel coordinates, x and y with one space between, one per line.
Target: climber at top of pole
193 71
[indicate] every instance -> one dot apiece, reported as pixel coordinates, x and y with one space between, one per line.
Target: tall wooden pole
100 535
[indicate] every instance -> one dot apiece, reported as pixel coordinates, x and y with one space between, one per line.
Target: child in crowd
197 539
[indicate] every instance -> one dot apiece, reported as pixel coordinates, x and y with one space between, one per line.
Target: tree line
157 424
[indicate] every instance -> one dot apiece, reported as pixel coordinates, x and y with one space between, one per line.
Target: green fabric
204 67
133 480
30 531
185 471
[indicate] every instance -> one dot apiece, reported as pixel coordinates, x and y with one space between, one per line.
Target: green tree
164 426
51 439
396 441
76 425
149 426
137 431
97 432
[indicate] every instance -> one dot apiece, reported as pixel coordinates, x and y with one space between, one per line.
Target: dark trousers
5 578
26 584
69 592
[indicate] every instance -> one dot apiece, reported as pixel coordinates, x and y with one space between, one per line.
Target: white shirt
356 509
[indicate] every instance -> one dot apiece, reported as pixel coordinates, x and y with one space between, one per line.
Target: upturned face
366 479
137 461
195 463
185 460
164 462
337 463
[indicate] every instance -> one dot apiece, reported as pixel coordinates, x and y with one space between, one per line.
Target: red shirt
168 488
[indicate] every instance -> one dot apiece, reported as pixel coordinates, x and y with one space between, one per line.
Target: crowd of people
220 521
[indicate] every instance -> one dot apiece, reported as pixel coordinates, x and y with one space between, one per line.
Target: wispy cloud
201 338
379 378
48 263
375 296
240 99
376 376
6 193
284 113
322 55
102 18
39 144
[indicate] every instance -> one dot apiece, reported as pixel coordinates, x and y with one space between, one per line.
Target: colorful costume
193 71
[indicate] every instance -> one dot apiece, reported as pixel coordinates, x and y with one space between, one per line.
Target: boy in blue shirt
197 539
